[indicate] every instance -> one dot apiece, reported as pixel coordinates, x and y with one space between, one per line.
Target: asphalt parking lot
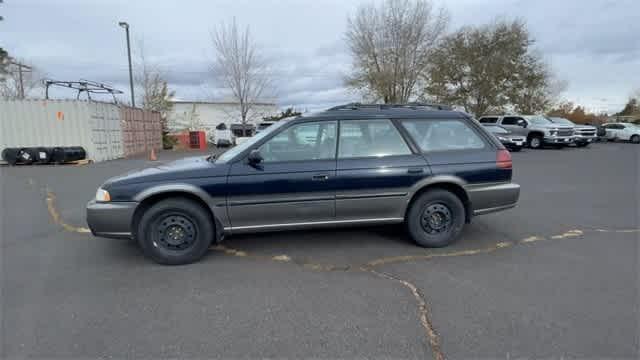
557 276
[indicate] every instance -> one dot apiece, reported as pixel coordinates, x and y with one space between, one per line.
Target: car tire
535 142
435 218
175 231
635 139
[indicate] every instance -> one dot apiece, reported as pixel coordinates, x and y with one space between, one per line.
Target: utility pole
126 28
21 69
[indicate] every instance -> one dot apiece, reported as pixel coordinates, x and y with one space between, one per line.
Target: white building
205 115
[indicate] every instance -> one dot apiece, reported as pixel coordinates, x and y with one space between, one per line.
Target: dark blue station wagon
429 167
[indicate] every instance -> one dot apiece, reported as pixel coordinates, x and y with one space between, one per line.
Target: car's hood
585 127
191 167
556 126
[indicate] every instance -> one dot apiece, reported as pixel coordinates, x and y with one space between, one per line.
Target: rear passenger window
370 138
488 120
510 120
441 135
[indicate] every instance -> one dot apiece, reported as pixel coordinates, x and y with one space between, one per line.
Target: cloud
592 44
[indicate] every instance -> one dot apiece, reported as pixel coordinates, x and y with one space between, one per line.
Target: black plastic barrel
43 155
76 153
57 155
10 155
26 156
67 154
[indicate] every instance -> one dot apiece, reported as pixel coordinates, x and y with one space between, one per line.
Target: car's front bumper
584 139
111 219
558 139
514 142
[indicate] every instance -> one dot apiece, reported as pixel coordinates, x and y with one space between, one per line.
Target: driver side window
307 141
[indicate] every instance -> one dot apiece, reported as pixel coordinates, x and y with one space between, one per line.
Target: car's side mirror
522 123
254 157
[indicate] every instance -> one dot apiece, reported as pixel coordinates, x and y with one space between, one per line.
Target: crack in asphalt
423 311
432 336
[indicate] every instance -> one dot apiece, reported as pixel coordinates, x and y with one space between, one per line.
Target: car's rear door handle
320 177
415 171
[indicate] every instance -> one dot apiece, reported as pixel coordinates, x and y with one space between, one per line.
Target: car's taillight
503 159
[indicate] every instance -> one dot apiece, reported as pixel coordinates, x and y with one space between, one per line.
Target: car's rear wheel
535 141
435 218
175 231
635 139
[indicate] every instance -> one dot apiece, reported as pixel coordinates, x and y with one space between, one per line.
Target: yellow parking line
57 219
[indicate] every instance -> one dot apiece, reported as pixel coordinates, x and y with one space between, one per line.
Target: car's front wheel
435 218
175 231
635 139
535 141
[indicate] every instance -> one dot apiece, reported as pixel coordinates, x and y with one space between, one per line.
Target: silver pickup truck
583 134
537 129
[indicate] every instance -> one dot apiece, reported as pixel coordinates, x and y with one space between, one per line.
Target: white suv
623 131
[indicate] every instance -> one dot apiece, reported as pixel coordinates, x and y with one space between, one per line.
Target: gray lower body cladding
487 198
111 220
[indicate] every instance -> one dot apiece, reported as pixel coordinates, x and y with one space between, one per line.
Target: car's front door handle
320 177
415 171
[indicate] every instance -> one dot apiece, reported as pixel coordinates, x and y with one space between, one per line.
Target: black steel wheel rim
436 218
175 232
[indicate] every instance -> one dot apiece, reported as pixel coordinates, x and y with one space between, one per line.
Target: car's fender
216 204
448 181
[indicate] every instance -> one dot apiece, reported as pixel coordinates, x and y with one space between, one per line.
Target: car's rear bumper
111 220
487 198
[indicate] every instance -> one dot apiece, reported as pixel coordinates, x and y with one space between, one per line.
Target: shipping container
106 131
141 130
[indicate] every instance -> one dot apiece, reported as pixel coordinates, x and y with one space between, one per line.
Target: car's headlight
102 195
553 132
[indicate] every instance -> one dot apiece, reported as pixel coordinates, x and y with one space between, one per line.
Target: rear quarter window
443 135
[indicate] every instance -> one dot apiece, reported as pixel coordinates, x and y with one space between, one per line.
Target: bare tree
4 62
240 66
16 80
391 46
153 90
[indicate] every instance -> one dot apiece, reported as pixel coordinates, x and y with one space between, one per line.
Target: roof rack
87 86
411 105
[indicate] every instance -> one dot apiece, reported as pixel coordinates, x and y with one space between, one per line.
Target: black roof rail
411 105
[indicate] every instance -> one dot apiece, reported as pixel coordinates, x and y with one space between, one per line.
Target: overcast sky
593 44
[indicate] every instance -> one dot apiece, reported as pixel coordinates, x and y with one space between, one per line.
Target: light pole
126 28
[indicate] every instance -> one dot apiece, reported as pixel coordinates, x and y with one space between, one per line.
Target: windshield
540 120
563 121
497 129
230 154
